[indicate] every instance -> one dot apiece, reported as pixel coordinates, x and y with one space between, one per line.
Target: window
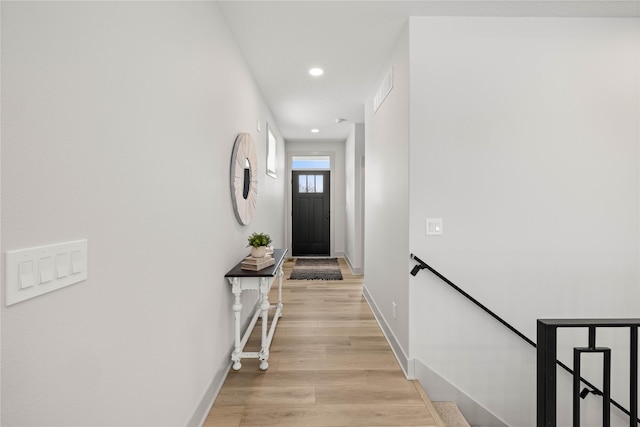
311 162
272 159
310 184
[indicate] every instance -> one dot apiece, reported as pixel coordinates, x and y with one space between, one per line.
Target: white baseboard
440 390
356 271
403 360
202 409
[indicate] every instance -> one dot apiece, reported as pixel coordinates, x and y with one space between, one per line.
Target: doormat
316 269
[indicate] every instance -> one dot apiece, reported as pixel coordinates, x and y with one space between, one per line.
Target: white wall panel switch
434 226
25 271
36 271
46 269
62 265
76 262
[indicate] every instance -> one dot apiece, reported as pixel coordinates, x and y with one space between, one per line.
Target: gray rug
316 269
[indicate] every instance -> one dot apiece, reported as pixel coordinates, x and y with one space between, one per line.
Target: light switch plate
434 226
36 271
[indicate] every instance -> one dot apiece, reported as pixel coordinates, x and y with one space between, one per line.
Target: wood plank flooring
329 365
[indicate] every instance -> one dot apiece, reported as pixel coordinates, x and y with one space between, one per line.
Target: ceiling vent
383 90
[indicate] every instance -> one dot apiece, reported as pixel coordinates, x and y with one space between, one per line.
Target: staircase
445 414
450 414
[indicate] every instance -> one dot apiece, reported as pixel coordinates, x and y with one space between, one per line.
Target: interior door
310 215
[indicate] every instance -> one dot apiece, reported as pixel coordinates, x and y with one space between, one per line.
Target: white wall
354 185
336 149
387 198
524 139
118 124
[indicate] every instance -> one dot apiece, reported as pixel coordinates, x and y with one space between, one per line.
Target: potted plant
258 243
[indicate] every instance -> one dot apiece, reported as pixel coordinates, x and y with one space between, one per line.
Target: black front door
310 213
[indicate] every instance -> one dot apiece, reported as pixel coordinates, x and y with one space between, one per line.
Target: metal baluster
633 386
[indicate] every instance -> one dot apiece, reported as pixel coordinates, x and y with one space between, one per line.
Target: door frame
289 193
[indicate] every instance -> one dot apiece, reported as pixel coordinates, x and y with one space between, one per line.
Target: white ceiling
350 40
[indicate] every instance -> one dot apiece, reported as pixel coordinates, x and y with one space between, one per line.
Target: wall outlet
394 310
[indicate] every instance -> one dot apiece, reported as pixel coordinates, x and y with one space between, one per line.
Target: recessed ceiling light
315 130
316 72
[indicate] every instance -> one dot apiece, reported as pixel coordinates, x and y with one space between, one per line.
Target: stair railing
546 360
546 379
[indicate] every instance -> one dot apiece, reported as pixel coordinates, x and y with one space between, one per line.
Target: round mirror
247 179
244 178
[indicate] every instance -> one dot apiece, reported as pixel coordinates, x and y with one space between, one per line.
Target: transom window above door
311 163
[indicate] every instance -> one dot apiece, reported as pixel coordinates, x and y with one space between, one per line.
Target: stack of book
255 264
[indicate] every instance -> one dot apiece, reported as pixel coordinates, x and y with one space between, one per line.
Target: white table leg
280 274
264 306
237 309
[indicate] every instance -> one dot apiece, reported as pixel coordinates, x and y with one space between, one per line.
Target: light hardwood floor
329 365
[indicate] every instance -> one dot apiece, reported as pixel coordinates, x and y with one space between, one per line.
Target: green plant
259 239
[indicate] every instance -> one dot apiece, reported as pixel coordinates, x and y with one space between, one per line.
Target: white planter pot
259 252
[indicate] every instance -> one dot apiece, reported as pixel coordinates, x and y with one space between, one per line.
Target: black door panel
310 213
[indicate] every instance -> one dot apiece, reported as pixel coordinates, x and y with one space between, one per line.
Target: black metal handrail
591 388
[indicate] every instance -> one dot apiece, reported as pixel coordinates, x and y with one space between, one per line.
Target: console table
247 280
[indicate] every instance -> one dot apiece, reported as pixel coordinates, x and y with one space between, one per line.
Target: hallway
330 365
